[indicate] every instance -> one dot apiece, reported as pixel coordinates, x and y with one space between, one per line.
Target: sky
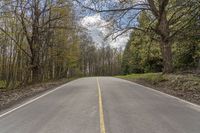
96 25
97 29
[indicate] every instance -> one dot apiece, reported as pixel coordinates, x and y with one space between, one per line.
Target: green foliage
143 51
186 55
132 58
46 47
140 55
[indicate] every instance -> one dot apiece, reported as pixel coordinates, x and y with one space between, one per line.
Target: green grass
151 77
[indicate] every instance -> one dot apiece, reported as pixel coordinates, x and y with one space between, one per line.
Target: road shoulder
186 87
13 97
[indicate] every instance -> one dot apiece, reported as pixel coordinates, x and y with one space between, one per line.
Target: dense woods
40 40
168 45
35 35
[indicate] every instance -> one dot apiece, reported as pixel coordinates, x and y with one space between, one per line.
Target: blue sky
96 24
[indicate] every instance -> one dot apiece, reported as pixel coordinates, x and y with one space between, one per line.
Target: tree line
40 40
170 28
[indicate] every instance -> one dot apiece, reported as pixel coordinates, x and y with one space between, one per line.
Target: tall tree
165 16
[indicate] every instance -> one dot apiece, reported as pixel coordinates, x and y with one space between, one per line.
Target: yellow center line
101 115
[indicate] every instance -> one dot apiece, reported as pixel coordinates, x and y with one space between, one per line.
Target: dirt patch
13 96
186 87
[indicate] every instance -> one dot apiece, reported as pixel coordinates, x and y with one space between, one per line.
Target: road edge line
30 101
101 114
195 106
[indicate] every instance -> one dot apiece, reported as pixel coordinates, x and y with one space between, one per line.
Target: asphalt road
87 105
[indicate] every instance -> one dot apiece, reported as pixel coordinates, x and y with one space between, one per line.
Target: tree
40 40
33 33
165 17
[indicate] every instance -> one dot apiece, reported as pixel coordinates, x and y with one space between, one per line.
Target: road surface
102 105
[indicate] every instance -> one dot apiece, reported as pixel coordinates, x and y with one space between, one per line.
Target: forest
41 40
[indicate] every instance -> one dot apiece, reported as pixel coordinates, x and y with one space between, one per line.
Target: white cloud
98 29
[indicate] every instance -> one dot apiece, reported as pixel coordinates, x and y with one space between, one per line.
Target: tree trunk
36 73
167 56
163 30
35 68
